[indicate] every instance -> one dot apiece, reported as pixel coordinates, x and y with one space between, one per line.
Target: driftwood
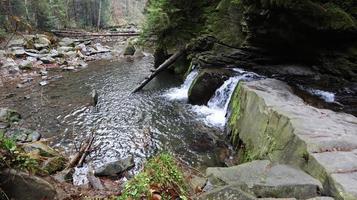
80 156
161 68
67 33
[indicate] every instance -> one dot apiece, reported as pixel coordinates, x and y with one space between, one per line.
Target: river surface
124 124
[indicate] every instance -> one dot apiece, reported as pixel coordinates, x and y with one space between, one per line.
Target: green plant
161 176
13 157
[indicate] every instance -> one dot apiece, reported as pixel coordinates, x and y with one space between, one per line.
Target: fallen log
80 156
89 34
86 152
161 68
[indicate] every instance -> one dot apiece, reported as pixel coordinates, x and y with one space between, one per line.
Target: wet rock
18 51
64 49
25 186
265 179
115 168
54 164
44 83
94 95
205 85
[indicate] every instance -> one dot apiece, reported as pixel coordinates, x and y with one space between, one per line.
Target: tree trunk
161 68
99 14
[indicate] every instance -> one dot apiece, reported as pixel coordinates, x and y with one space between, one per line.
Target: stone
322 198
18 51
17 43
55 164
272 122
231 192
115 168
100 48
65 175
129 50
66 42
64 49
39 148
44 83
265 179
24 135
206 84
25 64
47 60
9 116
94 181
25 186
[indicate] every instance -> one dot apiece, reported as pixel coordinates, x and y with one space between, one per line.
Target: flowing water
125 124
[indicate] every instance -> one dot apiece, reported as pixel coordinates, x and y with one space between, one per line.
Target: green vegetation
161 176
11 156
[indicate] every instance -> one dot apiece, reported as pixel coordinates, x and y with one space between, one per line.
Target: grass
160 177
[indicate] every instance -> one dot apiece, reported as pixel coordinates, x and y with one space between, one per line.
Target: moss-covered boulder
55 164
205 85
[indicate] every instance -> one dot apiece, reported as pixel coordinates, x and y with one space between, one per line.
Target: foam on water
214 114
181 93
329 97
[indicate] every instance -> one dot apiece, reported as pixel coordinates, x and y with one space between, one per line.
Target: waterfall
181 93
214 114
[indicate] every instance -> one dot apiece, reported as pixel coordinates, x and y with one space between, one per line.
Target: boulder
268 180
115 168
39 148
227 192
270 121
25 186
205 85
129 50
25 64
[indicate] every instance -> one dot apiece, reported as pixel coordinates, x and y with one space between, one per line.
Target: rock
322 198
25 186
94 95
25 64
197 183
35 55
54 164
18 51
65 176
64 49
24 135
270 121
39 148
100 48
9 116
43 51
129 50
227 192
67 42
94 181
265 179
47 60
206 84
16 43
115 168
139 53
44 83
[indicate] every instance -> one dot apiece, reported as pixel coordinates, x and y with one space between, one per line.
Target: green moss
161 175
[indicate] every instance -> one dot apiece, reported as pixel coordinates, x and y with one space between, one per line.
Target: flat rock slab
273 122
265 179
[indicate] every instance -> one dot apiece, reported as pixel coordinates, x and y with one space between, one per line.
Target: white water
181 93
329 97
214 114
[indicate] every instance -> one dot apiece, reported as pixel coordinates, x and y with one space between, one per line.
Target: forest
178 99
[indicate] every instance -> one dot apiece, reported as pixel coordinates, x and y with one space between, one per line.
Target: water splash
328 97
214 114
181 93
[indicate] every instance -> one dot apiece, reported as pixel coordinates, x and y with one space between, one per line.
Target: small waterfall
328 97
181 93
214 114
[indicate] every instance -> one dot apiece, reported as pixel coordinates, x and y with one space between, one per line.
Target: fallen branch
79 158
161 68
86 152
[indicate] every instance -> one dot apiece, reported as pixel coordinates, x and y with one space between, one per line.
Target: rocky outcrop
205 85
267 121
263 179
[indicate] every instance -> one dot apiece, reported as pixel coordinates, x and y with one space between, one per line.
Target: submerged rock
115 168
25 186
129 50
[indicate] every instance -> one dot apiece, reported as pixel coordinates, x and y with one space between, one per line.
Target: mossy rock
54 164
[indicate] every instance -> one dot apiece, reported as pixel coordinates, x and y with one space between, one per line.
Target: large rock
205 85
269 121
20 185
115 168
9 116
232 192
24 135
67 42
268 180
